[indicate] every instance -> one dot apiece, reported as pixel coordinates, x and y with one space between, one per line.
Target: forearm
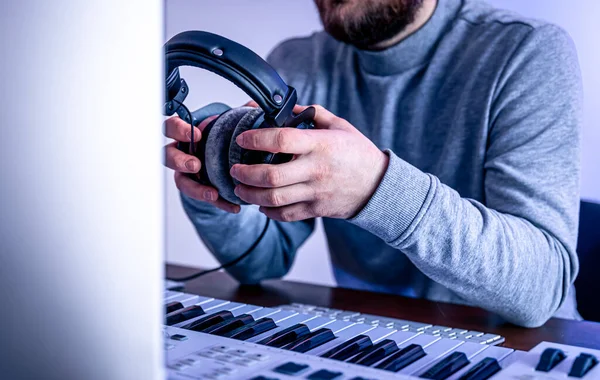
228 236
497 261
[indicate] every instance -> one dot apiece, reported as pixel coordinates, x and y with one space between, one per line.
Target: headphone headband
233 62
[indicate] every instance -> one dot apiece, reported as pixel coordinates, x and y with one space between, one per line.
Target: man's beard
366 23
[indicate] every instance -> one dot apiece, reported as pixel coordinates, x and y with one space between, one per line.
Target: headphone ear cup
245 124
216 153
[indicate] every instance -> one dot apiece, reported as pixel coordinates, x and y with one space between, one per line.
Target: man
444 164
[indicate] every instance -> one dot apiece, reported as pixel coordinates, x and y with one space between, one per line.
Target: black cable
226 265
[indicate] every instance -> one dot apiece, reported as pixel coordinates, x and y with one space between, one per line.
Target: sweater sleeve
514 252
228 236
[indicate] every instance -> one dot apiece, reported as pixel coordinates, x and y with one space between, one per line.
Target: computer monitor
81 199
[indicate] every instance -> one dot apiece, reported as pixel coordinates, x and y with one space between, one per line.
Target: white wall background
260 25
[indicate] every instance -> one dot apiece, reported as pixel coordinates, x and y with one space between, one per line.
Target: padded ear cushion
216 154
246 123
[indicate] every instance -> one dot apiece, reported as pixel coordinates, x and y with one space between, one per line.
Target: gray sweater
480 113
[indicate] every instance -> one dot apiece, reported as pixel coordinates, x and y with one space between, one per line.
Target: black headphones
218 150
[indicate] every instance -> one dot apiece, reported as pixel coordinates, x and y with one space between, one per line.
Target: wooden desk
276 292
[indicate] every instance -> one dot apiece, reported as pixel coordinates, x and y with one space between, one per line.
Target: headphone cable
226 265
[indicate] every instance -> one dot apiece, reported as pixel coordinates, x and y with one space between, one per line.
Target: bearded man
444 163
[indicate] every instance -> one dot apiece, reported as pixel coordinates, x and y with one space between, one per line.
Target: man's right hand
182 163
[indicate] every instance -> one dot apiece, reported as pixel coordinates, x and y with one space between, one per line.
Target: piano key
447 366
246 309
281 325
318 322
208 306
375 353
208 320
312 340
435 351
378 333
286 336
212 307
470 350
341 337
230 306
401 359
252 329
482 370
349 348
183 315
228 325
400 337
269 312
173 306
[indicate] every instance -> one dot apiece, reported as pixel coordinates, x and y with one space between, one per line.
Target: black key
483 370
310 341
209 320
291 369
324 374
182 315
173 306
349 348
402 358
447 367
550 359
229 325
582 365
376 353
286 336
252 329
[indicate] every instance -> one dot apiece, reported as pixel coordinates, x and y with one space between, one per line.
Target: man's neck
423 15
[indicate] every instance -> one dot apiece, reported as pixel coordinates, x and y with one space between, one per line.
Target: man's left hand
334 173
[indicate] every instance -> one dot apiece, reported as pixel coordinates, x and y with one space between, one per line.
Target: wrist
380 166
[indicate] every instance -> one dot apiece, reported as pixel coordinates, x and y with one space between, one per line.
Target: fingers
206 121
179 161
276 140
179 130
292 213
268 176
251 103
203 193
324 119
277 197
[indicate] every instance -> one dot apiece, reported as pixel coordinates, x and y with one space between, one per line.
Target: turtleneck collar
414 49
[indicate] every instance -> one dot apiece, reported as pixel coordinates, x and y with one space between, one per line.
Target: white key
213 304
246 309
494 352
231 306
318 322
400 337
269 312
379 333
435 351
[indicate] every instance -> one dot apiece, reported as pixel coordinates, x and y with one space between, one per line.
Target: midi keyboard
207 338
